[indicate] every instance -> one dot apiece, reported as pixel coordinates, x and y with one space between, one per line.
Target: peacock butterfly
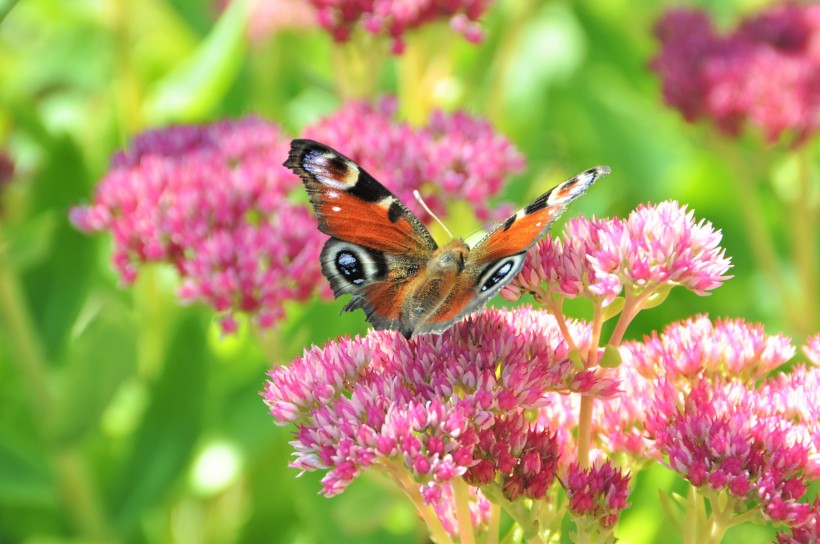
382 255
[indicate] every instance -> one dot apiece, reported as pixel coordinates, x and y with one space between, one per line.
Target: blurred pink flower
265 17
765 73
211 200
436 404
812 349
657 246
454 157
598 493
394 17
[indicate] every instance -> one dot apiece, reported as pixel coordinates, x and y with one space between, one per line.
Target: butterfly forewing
352 206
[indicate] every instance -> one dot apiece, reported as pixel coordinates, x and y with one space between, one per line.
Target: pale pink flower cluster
453 157
765 73
211 201
656 247
395 17
442 406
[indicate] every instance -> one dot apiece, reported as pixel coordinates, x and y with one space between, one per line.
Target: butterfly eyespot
350 267
499 274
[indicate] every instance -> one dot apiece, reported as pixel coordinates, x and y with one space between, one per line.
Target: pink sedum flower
211 201
657 247
453 157
812 349
435 405
765 73
697 347
395 17
599 493
726 436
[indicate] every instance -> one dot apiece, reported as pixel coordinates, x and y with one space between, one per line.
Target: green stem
74 483
803 234
461 494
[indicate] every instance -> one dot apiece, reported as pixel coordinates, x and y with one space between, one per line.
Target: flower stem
494 524
461 493
437 532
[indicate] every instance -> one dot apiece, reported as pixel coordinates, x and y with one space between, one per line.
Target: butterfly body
383 256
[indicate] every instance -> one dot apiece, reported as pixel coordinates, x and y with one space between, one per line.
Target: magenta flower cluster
765 73
657 246
453 157
727 436
440 406
599 493
211 200
393 18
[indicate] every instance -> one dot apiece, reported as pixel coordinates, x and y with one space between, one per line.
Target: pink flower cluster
211 200
765 73
599 493
394 17
715 415
455 156
723 435
656 247
439 405
697 347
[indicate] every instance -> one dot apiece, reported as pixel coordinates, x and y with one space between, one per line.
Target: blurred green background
148 426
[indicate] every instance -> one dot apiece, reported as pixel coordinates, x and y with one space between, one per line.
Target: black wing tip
299 147
598 171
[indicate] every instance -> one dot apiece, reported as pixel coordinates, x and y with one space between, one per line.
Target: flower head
393 19
435 405
211 201
656 247
696 347
726 436
765 73
599 493
454 156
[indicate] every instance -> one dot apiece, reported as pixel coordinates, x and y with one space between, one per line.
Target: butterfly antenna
428 210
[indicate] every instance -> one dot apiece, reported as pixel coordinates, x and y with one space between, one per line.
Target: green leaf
24 477
101 358
56 286
575 357
657 298
611 357
170 428
196 86
614 308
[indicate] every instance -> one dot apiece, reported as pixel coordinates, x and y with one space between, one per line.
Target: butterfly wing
499 256
378 248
